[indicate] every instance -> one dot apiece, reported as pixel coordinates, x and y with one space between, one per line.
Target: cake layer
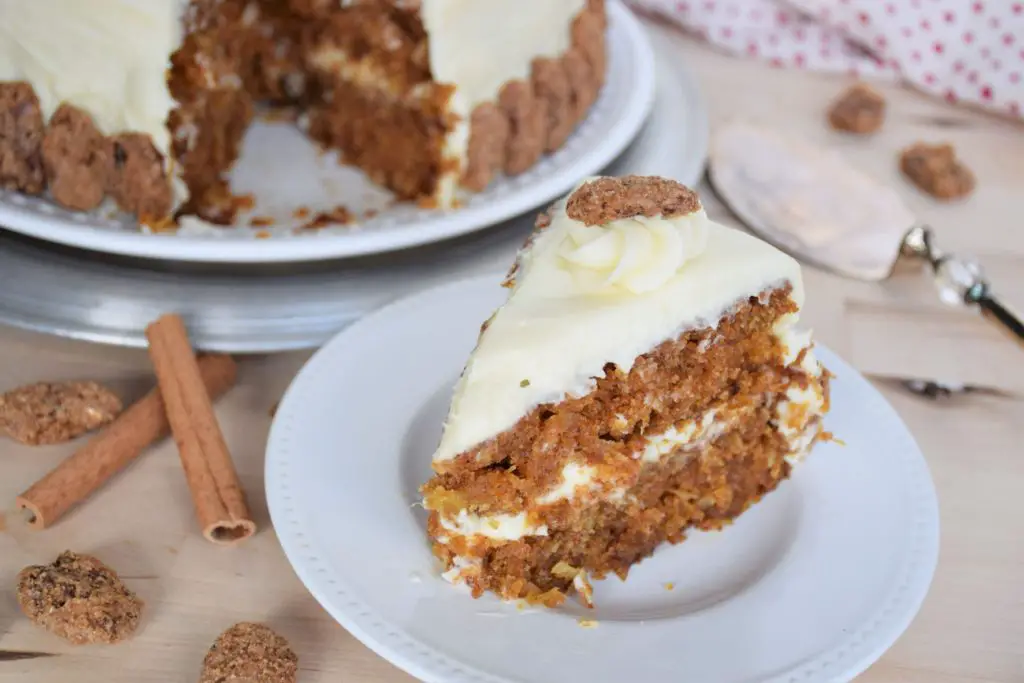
701 487
398 143
742 356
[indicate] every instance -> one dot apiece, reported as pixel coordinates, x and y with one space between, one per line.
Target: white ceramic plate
812 584
285 172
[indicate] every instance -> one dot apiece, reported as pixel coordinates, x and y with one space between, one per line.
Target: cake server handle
997 312
961 281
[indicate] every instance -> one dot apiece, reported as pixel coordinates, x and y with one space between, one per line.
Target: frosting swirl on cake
637 254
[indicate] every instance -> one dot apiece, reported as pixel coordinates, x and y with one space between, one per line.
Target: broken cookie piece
80 599
55 412
861 110
936 170
250 653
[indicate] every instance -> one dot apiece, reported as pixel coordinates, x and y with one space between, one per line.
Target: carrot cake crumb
339 215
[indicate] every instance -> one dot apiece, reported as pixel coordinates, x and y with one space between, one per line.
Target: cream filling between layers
504 527
799 410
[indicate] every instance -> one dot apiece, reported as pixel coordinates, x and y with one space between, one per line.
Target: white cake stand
285 173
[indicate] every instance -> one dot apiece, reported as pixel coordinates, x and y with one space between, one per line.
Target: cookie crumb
339 215
55 412
860 109
604 200
587 623
250 653
583 588
936 170
80 599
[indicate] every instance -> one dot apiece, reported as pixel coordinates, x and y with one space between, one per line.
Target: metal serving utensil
813 204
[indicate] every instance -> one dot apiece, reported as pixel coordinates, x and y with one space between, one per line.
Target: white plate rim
858 651
16 214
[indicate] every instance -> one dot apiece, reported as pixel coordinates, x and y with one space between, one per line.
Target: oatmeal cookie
936 170
80 599
250 653
861 110
55 412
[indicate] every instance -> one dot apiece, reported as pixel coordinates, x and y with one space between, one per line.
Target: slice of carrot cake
644 377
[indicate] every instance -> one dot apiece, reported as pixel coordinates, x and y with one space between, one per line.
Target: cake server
813 204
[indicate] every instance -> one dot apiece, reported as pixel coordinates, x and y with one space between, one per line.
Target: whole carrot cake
146 102
645 376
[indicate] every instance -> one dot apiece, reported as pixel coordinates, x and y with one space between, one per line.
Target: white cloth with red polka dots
968 51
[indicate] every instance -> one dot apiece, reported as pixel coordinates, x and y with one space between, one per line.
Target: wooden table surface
971 628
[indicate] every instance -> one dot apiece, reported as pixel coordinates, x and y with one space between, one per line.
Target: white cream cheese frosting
634 255
568 315
106 57
479 45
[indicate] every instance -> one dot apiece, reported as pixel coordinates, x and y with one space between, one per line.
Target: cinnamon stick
112 449
216 492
